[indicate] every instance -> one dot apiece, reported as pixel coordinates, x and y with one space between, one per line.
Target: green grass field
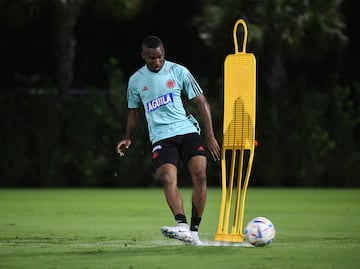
101 228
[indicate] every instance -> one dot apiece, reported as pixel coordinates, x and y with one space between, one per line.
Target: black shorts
177 148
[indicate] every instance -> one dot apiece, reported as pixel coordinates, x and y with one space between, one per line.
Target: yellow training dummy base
238 138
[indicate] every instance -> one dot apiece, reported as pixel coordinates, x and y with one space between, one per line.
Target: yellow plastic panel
239 101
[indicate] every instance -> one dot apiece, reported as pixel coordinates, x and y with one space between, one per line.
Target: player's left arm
205 114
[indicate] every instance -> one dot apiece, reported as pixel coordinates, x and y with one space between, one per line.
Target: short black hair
152 42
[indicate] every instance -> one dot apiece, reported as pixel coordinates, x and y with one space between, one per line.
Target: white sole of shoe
176 235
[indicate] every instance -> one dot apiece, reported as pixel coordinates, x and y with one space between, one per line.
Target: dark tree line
65 66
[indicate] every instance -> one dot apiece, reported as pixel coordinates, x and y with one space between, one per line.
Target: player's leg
194 155
168 175
165 159
197 168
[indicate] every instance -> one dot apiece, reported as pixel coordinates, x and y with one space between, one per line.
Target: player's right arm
132 122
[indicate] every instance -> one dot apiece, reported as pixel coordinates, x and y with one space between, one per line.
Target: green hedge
49 140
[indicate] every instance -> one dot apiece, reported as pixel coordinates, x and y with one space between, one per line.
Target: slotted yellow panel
238 138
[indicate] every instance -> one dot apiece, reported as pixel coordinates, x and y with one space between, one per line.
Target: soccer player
159 86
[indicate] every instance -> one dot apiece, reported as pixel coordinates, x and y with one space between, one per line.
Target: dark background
64 70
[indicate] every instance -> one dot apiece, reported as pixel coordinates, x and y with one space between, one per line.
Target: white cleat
180 232
195 239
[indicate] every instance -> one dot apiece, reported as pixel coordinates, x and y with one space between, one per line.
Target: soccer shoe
195 239
180 232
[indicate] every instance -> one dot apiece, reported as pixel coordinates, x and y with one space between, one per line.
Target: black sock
195 221
180 218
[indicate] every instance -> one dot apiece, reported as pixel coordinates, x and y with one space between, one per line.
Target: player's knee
167 179
167 174
199 178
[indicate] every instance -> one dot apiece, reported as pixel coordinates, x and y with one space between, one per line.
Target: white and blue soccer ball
259 232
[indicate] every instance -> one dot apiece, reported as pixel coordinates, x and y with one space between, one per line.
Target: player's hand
125 143
214 148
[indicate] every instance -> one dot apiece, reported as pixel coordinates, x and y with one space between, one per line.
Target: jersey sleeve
190 86
133 97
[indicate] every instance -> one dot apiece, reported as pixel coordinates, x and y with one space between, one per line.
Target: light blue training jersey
160 94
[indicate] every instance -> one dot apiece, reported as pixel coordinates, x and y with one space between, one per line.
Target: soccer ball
259 232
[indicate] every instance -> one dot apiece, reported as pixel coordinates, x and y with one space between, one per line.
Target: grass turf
101 228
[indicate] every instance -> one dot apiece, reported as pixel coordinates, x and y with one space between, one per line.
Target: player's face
154 58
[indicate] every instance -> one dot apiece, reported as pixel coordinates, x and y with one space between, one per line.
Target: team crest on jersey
170 83
159 102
